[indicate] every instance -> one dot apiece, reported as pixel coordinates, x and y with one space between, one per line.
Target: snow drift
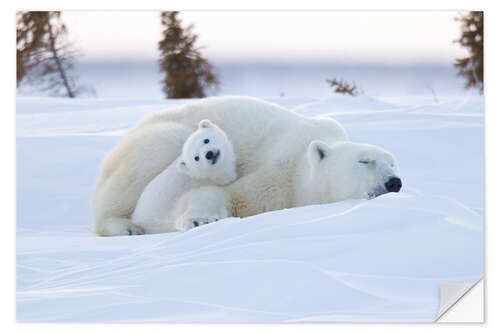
376 260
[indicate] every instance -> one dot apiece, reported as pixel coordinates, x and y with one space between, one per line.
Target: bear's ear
205 124
182 167
317 152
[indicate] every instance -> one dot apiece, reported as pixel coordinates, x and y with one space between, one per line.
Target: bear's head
348 170
208 155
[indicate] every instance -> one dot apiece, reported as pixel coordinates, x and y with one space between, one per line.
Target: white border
492 77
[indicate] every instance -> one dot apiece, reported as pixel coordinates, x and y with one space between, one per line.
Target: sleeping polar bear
207 158
283 160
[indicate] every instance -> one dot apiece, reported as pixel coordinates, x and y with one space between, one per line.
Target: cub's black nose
209 155
393 184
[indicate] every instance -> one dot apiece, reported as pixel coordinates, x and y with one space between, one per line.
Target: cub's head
352 170
208 155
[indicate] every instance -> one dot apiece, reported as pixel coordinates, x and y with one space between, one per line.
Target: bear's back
260 131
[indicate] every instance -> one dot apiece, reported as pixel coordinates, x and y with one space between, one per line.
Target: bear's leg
115 226
141 155
202 206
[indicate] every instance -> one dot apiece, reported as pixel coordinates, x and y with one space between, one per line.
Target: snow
141 79
376 260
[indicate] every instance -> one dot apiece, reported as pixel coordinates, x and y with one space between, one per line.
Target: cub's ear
317 152
182 167
205 124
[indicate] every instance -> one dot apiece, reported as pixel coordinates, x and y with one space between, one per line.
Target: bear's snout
393 184
212 156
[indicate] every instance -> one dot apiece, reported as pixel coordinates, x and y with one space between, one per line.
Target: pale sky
390 37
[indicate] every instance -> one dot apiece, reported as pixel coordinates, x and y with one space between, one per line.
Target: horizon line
277 62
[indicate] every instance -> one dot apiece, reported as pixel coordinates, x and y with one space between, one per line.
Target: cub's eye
206 141
196 158
365 161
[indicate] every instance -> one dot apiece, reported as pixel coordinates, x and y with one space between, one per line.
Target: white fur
274 160
200 205
344 170
154 210
208 139
323 174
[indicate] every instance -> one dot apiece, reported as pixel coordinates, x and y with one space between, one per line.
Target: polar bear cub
207 158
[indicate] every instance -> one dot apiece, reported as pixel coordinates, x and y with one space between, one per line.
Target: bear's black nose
209 155
393 184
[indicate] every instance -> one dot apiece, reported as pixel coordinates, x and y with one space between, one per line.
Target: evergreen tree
344 87
43 54
29 35
187 73
471 67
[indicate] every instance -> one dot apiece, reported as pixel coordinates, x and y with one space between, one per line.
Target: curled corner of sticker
451 293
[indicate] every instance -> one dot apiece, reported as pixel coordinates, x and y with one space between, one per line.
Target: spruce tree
187 73
471 67
343 87
43 54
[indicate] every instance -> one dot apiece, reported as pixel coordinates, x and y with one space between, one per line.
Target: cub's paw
134 230
200 221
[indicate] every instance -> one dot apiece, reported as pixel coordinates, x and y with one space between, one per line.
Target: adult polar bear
274 149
